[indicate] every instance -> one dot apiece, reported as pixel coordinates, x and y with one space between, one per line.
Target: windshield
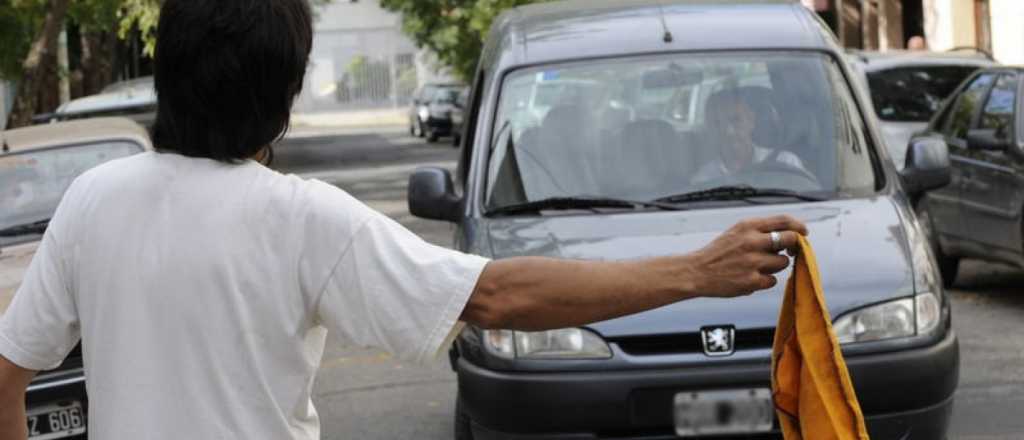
914 94
445 94
32 183
650 127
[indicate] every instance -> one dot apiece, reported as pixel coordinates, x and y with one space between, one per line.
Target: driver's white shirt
716 169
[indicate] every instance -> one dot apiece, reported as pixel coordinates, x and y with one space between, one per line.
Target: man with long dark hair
202 283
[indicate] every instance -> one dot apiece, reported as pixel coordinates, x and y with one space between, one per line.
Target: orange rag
814 397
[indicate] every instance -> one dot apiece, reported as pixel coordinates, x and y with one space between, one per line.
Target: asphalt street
366 394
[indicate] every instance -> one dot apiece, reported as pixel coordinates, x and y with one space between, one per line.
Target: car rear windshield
649 127
914 94
32 183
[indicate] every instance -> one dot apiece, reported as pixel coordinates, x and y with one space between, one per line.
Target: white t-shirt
202 293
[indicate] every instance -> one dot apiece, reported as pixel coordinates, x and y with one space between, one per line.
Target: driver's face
734 123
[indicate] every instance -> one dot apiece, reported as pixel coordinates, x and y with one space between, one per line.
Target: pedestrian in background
202 284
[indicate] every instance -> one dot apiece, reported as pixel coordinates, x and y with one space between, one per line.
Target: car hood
896 136
860 244
13 263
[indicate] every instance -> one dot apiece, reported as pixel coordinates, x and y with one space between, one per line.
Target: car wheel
948 266
463 428
432 136
456 140
420 132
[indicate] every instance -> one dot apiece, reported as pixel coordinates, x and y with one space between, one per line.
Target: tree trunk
98 51
33 77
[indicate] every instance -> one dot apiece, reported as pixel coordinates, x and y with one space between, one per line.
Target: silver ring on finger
776 238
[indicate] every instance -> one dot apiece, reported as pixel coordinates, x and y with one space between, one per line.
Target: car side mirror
432 195
987 139
927 166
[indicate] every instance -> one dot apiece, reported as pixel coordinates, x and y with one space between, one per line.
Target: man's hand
532 293
741 261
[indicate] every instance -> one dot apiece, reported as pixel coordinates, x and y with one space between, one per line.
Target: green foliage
142 15
455 30
19 20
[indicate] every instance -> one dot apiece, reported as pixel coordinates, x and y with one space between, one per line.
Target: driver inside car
732 121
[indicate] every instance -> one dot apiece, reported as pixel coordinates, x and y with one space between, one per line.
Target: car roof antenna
667 37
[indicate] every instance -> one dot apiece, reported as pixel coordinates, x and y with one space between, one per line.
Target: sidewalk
348 122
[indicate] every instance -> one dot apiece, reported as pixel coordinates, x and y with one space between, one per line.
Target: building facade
992 26
361 60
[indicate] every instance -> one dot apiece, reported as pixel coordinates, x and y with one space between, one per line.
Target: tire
456 140
420 132
948 266
463 424
432 136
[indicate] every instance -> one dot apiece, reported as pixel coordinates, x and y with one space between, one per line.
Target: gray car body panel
860 246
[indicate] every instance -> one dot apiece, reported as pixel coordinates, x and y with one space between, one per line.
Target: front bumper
439 126
905 395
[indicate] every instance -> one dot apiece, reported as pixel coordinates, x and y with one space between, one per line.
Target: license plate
723 412
57 420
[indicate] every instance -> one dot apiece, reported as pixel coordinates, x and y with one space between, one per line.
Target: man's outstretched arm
530 293
13 382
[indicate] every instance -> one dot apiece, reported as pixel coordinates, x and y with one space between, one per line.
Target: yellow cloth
814 397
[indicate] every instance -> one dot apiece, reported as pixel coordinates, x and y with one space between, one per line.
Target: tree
33 74
455 30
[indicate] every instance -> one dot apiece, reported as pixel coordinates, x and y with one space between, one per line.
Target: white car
37 164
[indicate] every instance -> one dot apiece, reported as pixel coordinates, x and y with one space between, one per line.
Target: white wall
364 14
1008 30
949 23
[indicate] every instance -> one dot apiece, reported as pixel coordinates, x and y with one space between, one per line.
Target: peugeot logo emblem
718 340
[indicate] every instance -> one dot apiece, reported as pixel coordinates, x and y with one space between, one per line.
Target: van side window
967 106
998 111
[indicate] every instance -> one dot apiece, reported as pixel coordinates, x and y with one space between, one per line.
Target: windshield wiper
38 227
738 192
567 203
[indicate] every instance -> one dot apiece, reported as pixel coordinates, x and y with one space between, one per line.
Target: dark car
36 166
627 160
431 112
906 88
981 213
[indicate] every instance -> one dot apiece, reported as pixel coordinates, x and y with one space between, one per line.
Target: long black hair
226 74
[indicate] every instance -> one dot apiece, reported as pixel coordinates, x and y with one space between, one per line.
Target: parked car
574 185
134 99
907 87
37 164
431 112
981 214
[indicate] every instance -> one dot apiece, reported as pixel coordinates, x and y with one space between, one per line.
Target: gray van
706 112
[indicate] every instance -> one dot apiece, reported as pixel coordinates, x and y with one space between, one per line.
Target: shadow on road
1002 285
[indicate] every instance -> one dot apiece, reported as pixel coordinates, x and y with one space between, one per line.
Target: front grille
684 343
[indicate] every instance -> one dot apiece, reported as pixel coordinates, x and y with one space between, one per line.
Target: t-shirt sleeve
391 289
41 325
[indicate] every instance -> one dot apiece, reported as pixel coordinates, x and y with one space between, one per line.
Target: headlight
893 319
424 113
566 343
